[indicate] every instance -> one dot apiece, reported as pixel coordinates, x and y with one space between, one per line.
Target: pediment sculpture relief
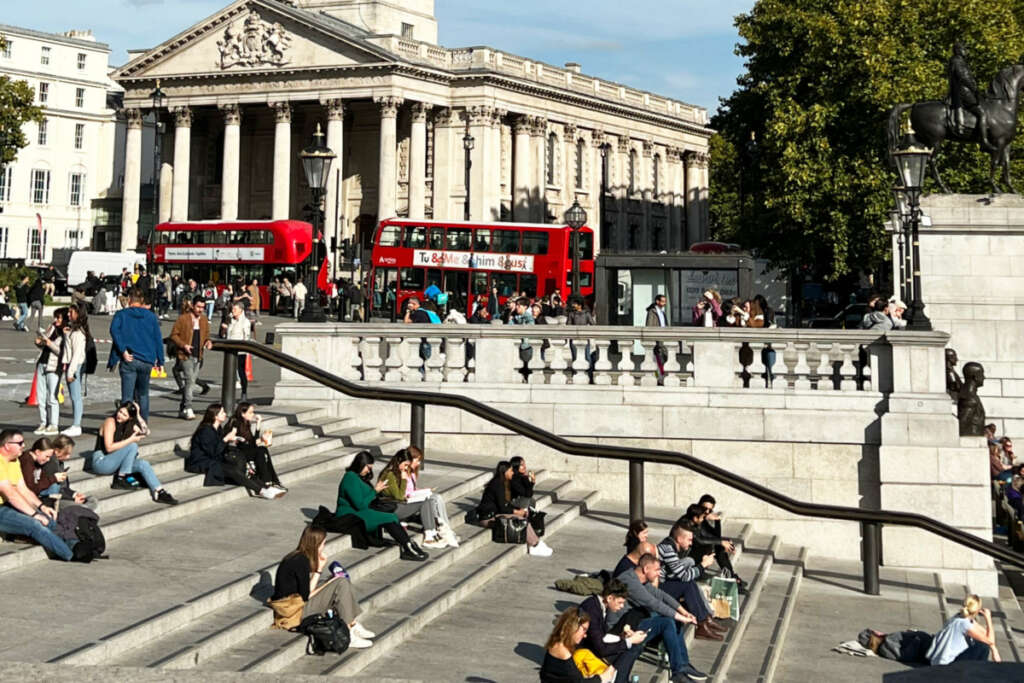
257 42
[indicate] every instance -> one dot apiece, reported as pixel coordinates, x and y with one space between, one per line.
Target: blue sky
679 48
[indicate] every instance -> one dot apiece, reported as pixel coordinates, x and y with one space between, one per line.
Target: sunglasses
17 443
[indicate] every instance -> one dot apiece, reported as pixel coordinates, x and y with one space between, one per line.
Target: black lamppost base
919 322
313 312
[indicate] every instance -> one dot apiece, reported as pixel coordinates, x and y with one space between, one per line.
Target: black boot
422 553
409 551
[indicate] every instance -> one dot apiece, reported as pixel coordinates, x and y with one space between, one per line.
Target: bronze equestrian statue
987 119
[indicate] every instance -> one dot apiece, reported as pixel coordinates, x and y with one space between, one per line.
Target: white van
105 262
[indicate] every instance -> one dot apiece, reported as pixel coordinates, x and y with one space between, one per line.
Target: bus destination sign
213 253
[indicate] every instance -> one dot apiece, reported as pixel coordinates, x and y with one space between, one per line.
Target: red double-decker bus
226 251
466 260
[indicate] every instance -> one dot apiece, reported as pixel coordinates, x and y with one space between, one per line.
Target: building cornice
7 30
53 77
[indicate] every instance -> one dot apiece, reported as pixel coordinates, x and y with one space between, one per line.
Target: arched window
632 171
581 148
552 143
657 176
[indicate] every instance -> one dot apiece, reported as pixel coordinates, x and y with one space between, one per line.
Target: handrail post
417 425
871 533
227 389
636 490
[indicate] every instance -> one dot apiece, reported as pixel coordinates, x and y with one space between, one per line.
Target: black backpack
91 543
326 633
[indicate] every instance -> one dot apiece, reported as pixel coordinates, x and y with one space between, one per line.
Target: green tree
16 109
800 168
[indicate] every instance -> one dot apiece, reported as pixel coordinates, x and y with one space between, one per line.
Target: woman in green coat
355 496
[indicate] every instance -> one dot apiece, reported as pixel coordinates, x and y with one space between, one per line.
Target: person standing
254 300
239 329
191 337
21 295
137 345
77 336
658 317
35 304
49 366
299 296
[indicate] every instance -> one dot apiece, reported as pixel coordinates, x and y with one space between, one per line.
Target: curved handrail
558 443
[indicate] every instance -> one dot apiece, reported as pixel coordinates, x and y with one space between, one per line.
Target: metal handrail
871 520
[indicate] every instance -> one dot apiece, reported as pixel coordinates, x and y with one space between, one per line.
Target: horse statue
932 123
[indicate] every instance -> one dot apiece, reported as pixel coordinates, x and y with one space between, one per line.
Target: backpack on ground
79 523
325 633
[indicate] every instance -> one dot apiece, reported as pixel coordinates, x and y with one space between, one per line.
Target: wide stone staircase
182 595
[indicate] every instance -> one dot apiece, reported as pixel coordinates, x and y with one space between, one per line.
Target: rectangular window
480 283
40 186
586 246
535 242
407 30
75 185
79 97
44 92
36 244
6 176
42 132
528 284
459 239
505 282
79 135
391 236
412 278
44 55
436 238
433 277
481 239
4 237
505 242
81 61
415 237
7 48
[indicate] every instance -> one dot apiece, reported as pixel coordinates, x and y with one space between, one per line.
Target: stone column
521 198
695 162
647 194
677 239
335 140
492 161
445 127
229 177
597 222
417 160
182 144
623 149
387 184
132 180
166 191
568 167
479 119
538 140
281 194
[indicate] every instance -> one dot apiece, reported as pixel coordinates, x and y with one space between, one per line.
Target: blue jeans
124 461
46 395
14 522
655 627
690 594
52 491
23 309
75 392
135 380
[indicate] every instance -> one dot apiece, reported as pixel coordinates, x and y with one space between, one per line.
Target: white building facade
247 87
46 193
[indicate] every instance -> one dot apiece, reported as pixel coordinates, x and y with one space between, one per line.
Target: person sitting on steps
117 453
497 501
559 665
962 639
355 494
522 481
708 538
401 489
208 454
298 576
251 446
636 534
679 574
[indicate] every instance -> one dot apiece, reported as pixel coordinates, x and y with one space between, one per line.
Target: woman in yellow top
400 487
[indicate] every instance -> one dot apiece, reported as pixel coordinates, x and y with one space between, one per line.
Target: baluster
825 367
537 364
625 367
869 377
649 375
757 369
685 363
671 366
393 362
581 366
848 371
744 355
369 349
557 361
455 360
436 361
802 370
413 370
780 380
602 366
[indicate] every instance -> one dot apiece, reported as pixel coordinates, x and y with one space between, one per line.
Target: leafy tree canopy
800 169
16 108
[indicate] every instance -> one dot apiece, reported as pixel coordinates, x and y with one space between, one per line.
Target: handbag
383 505
509 530
325 633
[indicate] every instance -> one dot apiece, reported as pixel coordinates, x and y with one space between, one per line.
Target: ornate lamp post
467 144
576 218
901 223
157 98
316 162
910 163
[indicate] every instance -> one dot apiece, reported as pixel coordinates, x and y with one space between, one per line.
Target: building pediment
256 35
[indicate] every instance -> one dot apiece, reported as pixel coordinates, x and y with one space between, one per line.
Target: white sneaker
41 429
51 430
448 534
271 493
357 642
73 430
362 632
189 414
436 543
540 550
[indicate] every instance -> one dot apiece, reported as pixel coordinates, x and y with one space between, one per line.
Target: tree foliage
17 107
800 169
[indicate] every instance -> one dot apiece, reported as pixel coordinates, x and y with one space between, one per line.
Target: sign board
213 253
515 263
696 282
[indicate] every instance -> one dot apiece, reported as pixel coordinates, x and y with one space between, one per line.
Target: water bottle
330 614
634 679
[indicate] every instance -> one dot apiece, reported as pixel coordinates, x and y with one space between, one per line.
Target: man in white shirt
299 291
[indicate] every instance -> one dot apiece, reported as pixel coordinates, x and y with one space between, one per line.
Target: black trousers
396 531
240 369
234 468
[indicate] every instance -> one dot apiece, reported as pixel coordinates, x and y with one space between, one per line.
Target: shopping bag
725 598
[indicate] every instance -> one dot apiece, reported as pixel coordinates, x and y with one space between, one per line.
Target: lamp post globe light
467 144
316 163
910 163
576 218
157 98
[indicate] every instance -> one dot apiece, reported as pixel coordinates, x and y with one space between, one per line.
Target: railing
871 521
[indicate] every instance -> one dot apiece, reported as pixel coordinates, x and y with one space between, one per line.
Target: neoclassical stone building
247 87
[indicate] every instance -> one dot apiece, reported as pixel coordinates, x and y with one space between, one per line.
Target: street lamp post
316 162
902 229
576 218
467 144
156 97
911 163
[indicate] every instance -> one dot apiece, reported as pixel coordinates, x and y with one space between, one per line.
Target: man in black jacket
708 537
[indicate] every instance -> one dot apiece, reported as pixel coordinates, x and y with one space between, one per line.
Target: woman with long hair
636 534
558 665
49 367
963 639
355 496
496 501
117 453
401 489
77 336
251 444
298 578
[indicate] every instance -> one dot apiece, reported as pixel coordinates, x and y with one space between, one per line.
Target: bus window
585 280
586 246
535 242
412 278
459 239
456 284
219 237
528 284
505 242
480 284
433 277
437 238
391 236
506 283
481 239
415 237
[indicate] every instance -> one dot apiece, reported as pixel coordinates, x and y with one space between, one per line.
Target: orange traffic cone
248 366
32 400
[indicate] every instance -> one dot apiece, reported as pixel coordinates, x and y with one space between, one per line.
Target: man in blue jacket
138 346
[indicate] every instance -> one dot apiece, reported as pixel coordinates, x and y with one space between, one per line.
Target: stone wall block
713 423
908 464
930 500
817 426
963 466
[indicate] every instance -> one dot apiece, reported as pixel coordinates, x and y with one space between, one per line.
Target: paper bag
725 598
